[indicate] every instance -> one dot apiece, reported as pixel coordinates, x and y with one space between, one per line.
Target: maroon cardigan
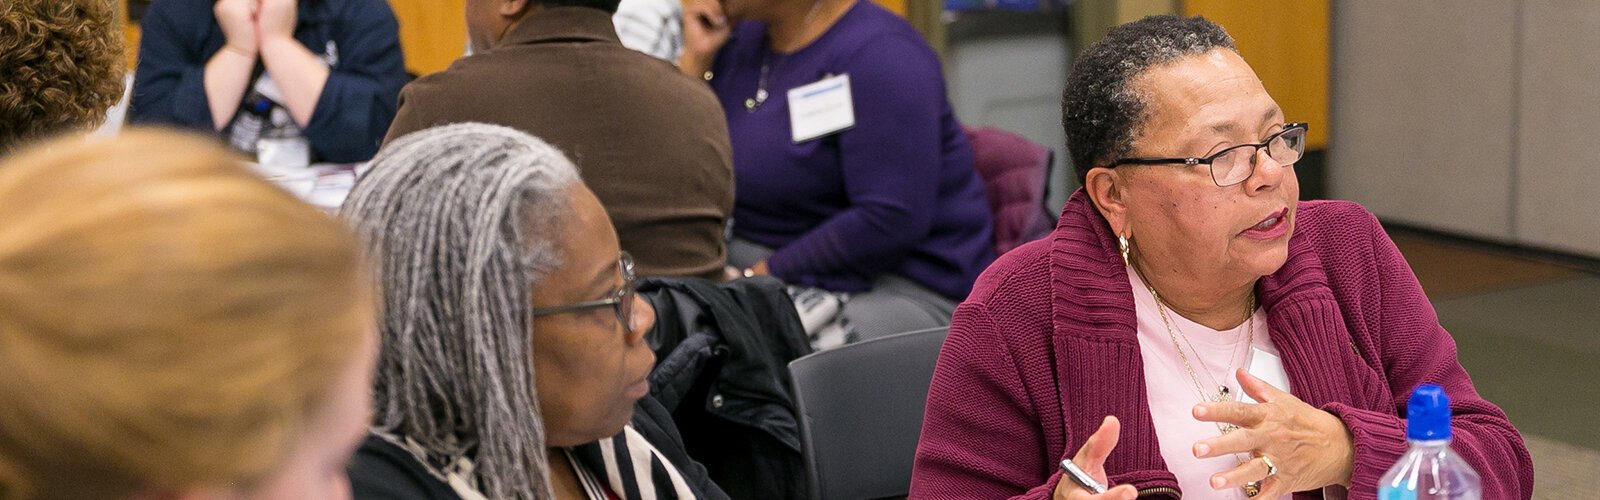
1045 346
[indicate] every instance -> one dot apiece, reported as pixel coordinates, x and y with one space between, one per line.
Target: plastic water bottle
1429 470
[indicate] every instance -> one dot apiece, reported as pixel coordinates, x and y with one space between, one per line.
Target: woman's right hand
238 21
1092 459
705 30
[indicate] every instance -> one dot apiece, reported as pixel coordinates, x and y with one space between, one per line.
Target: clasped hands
1308 447
249 25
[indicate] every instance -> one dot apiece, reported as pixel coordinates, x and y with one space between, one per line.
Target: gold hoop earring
1122 244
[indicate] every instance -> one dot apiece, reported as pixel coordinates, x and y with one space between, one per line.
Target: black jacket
383 471
722 370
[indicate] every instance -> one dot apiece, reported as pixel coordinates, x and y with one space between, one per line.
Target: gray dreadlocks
460 222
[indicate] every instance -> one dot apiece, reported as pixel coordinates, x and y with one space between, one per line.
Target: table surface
334 182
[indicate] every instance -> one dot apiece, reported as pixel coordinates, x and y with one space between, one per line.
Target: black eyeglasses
1235 164
621 301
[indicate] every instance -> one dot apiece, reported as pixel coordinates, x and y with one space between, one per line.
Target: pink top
1172 392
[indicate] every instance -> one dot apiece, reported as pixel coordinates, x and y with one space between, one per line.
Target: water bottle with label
1429 470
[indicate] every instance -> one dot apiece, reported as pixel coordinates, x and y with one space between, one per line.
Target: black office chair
862 413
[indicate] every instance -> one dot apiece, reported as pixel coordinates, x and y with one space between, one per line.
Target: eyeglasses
1235 164
621 301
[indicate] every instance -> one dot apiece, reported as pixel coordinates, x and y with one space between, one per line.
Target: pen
1082 478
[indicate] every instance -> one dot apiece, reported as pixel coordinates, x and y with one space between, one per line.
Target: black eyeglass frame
1208 160
621 301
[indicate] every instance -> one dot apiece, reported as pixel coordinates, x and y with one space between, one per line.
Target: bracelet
748 272
241 51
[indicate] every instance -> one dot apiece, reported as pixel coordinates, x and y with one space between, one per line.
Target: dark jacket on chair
723 354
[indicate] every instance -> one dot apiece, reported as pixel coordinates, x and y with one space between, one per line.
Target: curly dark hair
61 66
1100 111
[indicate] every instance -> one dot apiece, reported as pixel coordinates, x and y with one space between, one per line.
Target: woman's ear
1107 188
514 9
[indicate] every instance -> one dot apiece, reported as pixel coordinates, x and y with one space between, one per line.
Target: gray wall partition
1474 117
1005 70
1558 164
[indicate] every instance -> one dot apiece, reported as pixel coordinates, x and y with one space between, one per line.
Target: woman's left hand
1309 447
760 269
277 18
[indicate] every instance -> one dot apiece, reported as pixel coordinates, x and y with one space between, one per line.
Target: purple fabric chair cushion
1014 172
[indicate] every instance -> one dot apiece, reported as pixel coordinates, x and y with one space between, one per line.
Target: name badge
1269 368
821 108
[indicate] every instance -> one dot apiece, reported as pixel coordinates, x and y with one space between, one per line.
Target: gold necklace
1223 394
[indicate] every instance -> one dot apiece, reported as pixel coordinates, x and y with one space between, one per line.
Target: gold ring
1252 488
1272 470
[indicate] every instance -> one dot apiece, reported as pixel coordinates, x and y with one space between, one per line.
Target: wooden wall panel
433 33
1287 44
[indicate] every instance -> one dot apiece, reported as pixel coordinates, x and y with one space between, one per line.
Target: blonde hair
167 319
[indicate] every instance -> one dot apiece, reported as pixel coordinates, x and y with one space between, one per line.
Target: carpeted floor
1528 332
1562 471
1447 270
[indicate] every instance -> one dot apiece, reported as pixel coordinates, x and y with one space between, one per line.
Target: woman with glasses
513 354
1191 329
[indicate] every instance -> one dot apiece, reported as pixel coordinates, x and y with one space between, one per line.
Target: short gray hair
461 222
1100 111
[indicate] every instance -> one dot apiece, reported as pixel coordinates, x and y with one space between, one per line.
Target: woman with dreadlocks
513 355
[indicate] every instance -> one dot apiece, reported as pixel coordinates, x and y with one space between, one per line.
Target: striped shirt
653 27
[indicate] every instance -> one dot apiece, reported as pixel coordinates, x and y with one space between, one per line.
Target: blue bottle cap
1428 414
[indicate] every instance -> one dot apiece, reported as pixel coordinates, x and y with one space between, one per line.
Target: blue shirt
896 193
357 103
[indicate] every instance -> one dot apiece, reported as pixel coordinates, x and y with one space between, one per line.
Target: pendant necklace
768 66
1223 393
760 97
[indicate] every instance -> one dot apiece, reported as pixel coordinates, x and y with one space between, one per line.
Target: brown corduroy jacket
650 142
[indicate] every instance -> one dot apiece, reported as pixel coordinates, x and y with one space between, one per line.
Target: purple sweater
897 193
1045 346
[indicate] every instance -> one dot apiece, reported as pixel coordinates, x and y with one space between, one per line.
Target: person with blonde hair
172 326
